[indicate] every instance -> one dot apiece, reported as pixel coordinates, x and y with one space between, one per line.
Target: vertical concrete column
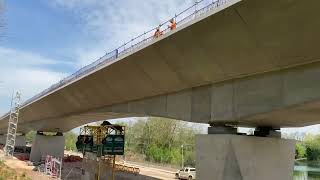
20 140
44 145
235 157
21 143
3 139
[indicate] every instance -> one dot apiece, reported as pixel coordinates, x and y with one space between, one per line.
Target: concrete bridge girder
255 101
250 37
282 98
254 64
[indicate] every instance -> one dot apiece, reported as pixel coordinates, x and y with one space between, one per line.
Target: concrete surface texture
3 139
20 140
234 157
47 145
256 51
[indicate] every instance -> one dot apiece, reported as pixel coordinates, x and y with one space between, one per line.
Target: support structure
106 140
13 124
3 139
228 156
53 166
44 145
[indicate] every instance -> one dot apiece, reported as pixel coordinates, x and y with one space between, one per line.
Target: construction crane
106 141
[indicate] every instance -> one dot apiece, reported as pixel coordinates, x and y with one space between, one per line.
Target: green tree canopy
160 140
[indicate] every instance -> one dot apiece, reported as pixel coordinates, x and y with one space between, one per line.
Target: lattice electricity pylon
13 124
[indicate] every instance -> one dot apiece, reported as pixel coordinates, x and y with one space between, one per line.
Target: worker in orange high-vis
173 24
158 33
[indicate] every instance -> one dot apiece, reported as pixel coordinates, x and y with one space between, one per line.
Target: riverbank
304 169
305 162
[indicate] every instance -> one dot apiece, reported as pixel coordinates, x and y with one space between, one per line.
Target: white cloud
112 23
315 129
12 57
24 71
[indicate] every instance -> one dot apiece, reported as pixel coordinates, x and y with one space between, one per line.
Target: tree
312 147
70 141
160 139
300 150
30 136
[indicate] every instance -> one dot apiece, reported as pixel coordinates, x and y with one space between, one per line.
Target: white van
186 173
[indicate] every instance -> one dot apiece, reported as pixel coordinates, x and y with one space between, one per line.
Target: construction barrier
125 168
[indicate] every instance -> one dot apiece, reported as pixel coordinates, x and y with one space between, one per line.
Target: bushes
309 148
30 136
70 141
160 140
312 144
300 150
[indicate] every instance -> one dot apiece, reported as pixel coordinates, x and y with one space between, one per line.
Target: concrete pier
236 157
44 145
20 140
3 138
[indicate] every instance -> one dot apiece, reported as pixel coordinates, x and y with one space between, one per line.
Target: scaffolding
102 140
106 141
53 167
13 124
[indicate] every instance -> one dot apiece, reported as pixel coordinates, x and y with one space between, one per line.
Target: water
306 171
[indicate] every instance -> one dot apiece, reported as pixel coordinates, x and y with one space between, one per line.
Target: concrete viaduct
246 63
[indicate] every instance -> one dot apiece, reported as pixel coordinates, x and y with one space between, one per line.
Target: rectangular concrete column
3 139
47 145
20 140
235 157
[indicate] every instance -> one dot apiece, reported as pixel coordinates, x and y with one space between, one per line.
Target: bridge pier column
44 145
224 155
20 141
3 139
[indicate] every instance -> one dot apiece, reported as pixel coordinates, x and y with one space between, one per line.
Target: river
306 171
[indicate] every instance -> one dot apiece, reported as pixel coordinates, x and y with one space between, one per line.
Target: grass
7 173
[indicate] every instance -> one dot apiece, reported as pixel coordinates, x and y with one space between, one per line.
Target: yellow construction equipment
106 141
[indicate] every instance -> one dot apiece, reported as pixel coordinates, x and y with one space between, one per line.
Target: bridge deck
245 39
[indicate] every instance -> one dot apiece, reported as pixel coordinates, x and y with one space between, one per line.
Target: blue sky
45 40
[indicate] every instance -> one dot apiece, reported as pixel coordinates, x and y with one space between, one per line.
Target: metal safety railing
199 8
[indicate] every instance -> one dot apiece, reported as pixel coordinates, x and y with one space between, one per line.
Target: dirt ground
146 171
72 170
21 167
